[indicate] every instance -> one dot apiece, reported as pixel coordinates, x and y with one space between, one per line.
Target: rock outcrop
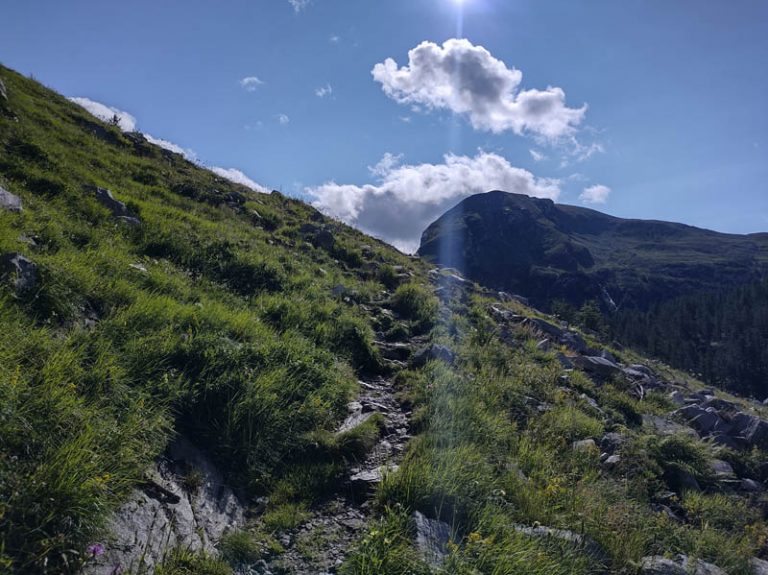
681 565
432 538
20 272
184 502
119 210
9 202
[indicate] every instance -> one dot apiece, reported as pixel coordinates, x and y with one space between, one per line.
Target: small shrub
185 562
239 547
285 516
414 302
359 440
388 277
386 549
568 424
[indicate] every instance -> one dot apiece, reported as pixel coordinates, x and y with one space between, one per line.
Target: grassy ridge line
214 318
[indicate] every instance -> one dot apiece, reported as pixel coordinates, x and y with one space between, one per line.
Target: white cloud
324 91
128 124
188 153
106 113
467 80
237 177
595 194
407 198
537 156
334 39
251 83
283 119
386 165
299 5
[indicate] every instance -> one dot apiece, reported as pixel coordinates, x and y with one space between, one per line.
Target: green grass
232 335
183 562
488 458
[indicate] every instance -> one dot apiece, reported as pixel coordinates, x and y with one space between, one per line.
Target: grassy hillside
216 316
243 321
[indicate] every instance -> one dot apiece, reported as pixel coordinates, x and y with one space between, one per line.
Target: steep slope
547 251
195 378
144 298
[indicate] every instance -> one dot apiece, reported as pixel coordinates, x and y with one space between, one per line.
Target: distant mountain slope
547 251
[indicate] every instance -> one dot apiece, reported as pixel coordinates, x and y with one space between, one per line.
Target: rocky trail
321 543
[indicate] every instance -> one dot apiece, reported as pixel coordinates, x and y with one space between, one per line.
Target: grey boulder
681 565
118 209
9 201
20 272
169 511
597 365
432 538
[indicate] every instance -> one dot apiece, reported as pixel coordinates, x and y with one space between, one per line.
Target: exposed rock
642 369
433 352
504 296
681 480
665 426
702 420
432 538
666 510
395 351
545 327
365 481
605 354
597 365
584 445
107 200
658 565
756 433
581 542
20 271
355 417
677 398
564 360
751 486
723 440
758 566
612 461
3 91
323 239
573 341
170 511
722 469
610 442
9 201
505 315
681 565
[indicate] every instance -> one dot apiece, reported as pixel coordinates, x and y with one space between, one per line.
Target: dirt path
320 545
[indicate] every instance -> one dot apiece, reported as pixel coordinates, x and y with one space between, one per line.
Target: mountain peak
545 251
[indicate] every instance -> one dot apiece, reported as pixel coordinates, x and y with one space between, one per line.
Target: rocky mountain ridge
547 251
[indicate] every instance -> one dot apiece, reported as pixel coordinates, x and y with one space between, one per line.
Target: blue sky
674 127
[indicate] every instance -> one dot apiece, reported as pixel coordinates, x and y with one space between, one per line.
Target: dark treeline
721 336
